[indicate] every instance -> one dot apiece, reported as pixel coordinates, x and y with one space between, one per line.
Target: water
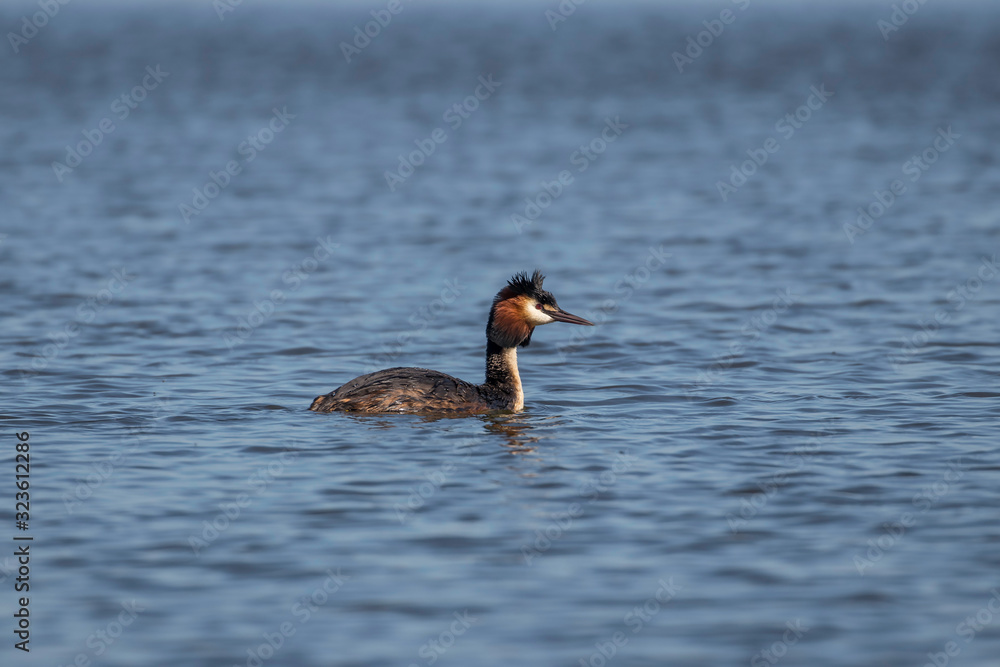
764 420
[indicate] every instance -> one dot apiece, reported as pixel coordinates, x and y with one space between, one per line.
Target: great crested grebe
517 309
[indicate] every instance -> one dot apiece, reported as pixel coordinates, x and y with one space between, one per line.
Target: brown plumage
516 310
508 315
403 390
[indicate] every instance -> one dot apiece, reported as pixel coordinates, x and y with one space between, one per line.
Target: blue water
778 446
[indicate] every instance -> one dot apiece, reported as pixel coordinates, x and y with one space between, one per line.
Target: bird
516 310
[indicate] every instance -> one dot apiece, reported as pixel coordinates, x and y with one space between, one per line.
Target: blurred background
778 444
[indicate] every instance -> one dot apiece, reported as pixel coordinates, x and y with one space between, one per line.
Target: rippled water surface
779 445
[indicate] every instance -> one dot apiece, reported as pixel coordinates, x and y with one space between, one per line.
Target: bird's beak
560 315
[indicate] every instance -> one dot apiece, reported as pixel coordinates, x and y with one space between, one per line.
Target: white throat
510 358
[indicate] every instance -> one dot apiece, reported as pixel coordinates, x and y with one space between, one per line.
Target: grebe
517 309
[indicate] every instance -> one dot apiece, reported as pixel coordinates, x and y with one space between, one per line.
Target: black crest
522 284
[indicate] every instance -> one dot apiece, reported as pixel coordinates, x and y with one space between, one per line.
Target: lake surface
778 446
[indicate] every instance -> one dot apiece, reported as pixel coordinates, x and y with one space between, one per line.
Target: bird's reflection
515 430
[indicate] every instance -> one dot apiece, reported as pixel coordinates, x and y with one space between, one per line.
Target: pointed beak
560 315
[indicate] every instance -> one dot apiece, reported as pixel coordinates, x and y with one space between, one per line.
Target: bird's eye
539 306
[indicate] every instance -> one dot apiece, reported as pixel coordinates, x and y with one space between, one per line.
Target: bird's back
404 390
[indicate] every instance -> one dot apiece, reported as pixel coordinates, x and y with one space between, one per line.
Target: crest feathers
522 284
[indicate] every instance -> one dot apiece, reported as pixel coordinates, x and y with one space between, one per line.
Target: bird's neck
501 374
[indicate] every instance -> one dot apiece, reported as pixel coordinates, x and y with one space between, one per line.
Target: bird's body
517 309
405 390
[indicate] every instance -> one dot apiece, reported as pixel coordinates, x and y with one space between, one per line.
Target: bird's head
521 306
